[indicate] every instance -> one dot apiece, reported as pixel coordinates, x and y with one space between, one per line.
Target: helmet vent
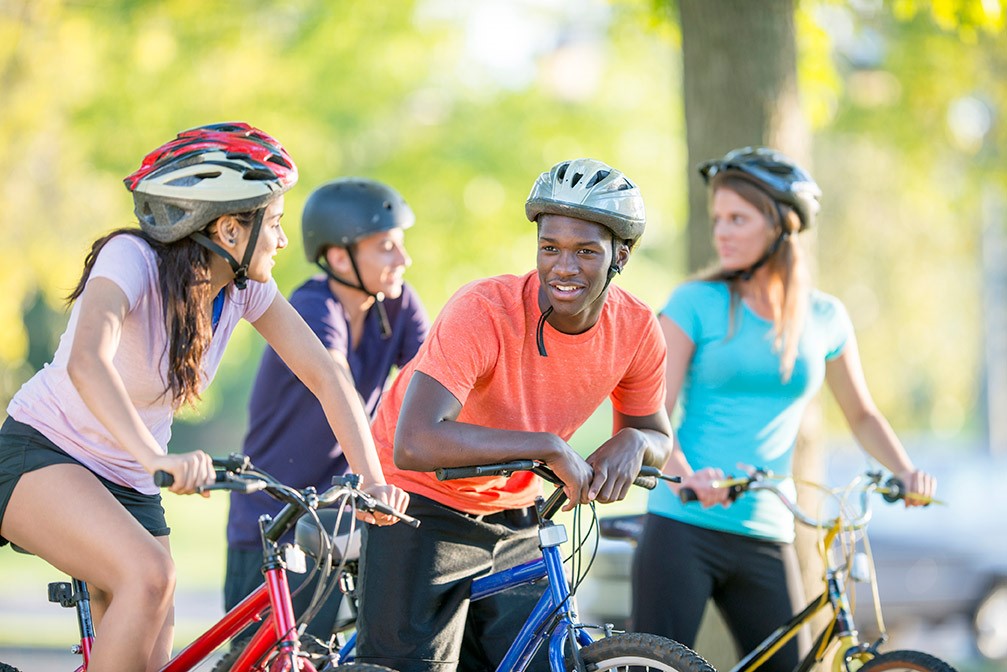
575 179
561 172
263 175
192 180
278 160
596 178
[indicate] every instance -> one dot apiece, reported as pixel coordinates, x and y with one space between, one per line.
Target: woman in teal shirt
749 344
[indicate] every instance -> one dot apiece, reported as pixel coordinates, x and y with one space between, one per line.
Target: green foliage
395 91
420 95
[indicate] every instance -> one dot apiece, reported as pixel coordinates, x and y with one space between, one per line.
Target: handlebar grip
687 495
648 482
380 507
451 473
163 479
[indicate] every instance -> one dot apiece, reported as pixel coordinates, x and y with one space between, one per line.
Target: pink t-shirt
49 402
482 349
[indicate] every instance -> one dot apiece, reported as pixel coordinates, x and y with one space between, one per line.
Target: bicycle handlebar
647 478
892 491
235 472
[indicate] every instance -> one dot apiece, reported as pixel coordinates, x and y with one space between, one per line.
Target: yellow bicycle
838 546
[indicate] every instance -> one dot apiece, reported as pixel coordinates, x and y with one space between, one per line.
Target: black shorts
23 449
415 612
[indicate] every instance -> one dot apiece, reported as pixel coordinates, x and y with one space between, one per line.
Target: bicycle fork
74 595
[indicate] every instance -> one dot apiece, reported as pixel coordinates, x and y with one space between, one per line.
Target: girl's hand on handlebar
920 487
393 496
702 483
190 471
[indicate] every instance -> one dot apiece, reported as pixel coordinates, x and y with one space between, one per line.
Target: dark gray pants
415 611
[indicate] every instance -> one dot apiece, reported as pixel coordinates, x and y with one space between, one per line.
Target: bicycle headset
207 172
593 191
342 212
779 177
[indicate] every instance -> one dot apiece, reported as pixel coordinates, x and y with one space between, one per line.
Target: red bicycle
275 645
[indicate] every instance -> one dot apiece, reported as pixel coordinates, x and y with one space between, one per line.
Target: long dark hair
184 280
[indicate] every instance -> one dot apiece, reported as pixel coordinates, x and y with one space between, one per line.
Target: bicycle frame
278 626
550 619
840 628
270 605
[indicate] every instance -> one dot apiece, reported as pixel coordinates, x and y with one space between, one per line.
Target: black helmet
780 177
341 212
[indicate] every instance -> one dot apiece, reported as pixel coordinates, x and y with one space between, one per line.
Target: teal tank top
734 407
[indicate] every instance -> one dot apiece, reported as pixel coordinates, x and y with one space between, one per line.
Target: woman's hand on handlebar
920 487
190 471
702 483
393 496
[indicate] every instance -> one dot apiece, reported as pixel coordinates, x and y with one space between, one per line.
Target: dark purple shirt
288 434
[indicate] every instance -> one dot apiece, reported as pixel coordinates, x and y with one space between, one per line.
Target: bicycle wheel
637 651
906 661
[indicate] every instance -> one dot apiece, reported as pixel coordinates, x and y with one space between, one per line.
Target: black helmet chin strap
240 270
379 297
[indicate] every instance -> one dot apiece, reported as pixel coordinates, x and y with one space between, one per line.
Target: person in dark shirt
364 314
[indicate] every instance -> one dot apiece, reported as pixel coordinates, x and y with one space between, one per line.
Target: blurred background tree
461 104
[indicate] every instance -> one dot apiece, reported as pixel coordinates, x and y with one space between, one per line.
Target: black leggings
756 584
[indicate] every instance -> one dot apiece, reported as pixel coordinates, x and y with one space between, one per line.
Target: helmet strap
240 269
539 331
746 274
613 270
379 297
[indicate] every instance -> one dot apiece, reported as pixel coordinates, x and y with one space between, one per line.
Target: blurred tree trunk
740 88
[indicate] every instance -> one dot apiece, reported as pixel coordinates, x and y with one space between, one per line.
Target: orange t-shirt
482 349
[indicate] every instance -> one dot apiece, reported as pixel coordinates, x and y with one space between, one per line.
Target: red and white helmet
207 172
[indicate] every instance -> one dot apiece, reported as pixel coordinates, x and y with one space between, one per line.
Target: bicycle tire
906 661
641 651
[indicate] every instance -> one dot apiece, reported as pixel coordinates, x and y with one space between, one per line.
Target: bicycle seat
344 545
628 527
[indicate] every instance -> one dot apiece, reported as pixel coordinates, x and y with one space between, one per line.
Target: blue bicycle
554 622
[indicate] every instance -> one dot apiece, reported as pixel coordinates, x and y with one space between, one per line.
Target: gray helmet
341 212
591 190
778 176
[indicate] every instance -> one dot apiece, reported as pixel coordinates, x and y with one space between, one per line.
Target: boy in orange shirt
511 368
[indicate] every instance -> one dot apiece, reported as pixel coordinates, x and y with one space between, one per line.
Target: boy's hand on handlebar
393 496
190 471
702 482
616 465
920 487
576 475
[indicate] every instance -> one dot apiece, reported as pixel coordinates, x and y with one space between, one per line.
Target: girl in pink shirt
153 311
